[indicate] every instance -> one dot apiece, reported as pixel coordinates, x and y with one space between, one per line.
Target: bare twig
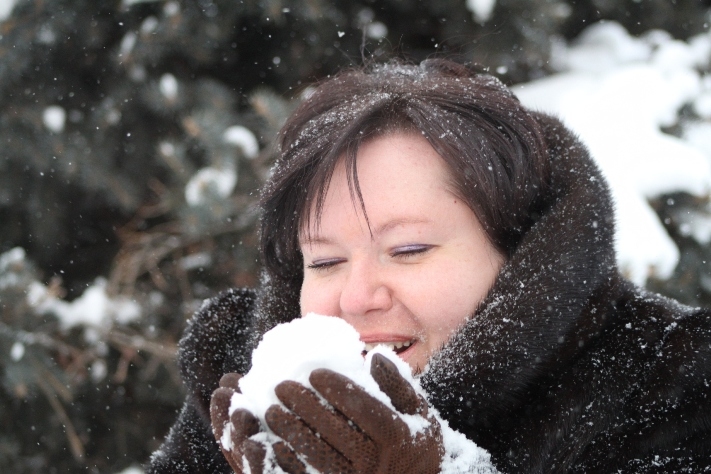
164 351
75 444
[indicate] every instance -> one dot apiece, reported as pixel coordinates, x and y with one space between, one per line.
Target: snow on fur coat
564 367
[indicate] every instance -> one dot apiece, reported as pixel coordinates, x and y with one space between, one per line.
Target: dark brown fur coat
564 367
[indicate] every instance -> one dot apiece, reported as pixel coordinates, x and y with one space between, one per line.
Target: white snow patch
46 35
208 183
617 92
702 104
481 9
171 8
696 225
293 350
127 43
128 3
698 135
132 470
98 370
94 308
12 257
149 25
17 351
54 117
376 30
6 7
11 263
169 87
243 138
196 260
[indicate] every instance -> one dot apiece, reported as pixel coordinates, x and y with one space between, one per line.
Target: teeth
391 345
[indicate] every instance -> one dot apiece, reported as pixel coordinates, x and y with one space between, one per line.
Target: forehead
395 174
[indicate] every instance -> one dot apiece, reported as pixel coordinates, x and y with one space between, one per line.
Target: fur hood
565 366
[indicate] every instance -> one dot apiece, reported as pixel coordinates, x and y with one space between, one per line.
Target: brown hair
493 147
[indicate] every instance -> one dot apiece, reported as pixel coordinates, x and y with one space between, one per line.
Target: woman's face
424 268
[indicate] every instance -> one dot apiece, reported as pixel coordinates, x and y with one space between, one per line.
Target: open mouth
397 347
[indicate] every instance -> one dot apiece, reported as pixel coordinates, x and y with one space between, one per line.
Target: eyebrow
381 229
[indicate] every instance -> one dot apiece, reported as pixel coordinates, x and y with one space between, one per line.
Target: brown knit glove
356 433
244 425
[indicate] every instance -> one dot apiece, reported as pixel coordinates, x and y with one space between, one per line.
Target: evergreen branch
38 339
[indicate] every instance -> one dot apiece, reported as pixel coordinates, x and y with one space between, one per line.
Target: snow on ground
316 341
617 92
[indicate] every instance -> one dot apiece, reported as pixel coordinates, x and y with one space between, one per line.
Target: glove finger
255 453
219 416
305 442
330 425
219 410
287 460
401 393
231 380
373 417
244 425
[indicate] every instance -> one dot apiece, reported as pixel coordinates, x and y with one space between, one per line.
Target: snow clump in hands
291 351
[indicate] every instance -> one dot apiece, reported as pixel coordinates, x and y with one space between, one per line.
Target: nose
365 291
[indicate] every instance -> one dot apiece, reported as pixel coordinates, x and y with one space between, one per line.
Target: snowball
210 182
54 118
481 9
242 137
293 350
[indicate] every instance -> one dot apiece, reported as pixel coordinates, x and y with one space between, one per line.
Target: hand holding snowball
311 398
357 432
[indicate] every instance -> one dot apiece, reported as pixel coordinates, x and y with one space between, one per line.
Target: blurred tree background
135 137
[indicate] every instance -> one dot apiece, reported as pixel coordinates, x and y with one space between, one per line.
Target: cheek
447 298
317 298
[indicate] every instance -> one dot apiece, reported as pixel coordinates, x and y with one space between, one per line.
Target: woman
429 209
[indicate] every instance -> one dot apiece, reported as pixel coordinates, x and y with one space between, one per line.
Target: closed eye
325 264
410 250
